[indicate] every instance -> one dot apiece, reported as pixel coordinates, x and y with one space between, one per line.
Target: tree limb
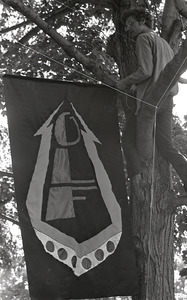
2 173
173 202
175 35
181 7
180 201
169 76
169 16
5 30
2 203
67 46
49 19
2 216
31 15
35 30
183 272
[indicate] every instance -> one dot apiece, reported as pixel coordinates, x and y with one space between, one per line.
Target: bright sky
180 102
3 120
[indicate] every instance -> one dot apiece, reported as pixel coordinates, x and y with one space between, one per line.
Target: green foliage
179 281
7 247
13 280
10 258
5 159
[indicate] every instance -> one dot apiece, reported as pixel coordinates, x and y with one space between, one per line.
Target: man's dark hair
139 14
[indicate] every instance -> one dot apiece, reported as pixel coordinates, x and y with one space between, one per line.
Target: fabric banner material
70 189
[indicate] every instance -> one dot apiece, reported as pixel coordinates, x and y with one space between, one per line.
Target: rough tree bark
171 25
181 6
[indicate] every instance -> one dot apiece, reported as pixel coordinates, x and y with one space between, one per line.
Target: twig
9 219
2 173
2 203
5 30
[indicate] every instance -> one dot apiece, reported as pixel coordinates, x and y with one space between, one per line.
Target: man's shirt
153 54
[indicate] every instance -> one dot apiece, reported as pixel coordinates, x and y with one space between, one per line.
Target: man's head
137 21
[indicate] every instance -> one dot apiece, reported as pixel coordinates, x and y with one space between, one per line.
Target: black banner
70 189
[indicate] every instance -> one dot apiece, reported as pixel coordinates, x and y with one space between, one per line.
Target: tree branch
169 76
175 35
181 7
67 46
5 30
179 201
9 219
2 203
2 173
31 15
34 31
169 16
173 202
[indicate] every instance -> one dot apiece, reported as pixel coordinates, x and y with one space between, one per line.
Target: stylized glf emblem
70 200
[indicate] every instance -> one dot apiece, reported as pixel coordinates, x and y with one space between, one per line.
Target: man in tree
153 54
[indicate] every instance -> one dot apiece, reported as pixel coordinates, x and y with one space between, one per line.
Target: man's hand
122 85
133 89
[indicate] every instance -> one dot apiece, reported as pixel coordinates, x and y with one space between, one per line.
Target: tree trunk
169 16
153 232
171 25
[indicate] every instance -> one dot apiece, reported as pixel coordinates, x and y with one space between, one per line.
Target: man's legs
164 141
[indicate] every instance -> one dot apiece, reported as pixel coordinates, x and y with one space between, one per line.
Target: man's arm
145 63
